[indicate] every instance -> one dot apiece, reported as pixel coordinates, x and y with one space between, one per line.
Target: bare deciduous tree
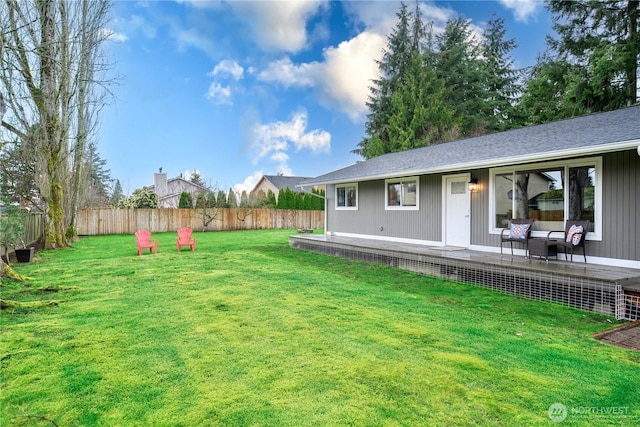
50 81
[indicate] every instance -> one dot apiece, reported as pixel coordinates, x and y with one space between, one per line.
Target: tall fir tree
185 201
232 199
116 194
18 171
601 42
503 88
271 199
221 200
95 191
244 199
547 94
394 60
460 65
407 103
196 178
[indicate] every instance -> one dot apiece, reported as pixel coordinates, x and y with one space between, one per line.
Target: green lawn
247 331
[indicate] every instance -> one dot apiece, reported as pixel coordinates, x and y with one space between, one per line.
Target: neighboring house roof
175 187
181 184
594 133
281 182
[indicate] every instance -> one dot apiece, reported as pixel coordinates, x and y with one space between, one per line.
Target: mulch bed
625 336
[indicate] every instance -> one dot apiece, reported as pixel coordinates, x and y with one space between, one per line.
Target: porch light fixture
473 184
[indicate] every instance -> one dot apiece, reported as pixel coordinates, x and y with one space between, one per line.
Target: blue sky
241 89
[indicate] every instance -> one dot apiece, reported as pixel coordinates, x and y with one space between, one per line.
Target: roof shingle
593 133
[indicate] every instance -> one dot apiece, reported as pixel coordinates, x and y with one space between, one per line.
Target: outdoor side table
543 248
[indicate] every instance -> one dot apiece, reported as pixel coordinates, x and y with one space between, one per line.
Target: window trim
596 162
346 208
405 179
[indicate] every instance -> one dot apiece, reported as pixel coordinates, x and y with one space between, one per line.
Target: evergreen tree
196 178
116 194
420 117
460 66
271 199
392 65
18 172
286 199
221 200
298 201
244 199
406 104
258 199
502 79
211 200
232 200
547 95
601 39
96 188
306 201
186 200
318 202
201 200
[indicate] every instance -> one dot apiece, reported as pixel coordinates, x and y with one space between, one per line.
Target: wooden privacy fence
33 231
96 221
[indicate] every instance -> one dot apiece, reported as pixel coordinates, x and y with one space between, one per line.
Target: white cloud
376 16
276 139
228 67
280 157
123 27
522 9
342 80
248 184
193 38
348 71
132 25
219 94
285 170
281 25
200 4
109 34
285 72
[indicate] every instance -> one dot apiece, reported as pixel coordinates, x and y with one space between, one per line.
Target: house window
402 193
347 196
550 194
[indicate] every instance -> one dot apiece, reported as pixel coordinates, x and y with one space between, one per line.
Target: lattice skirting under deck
585 294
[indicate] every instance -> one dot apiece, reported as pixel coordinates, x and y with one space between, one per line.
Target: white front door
457 211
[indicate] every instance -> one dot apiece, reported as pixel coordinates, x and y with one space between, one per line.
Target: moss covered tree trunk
52 136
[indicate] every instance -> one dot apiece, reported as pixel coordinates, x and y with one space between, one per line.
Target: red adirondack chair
184 239
143 238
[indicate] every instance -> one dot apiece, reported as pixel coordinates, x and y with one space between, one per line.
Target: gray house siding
422 224
611 139
620 211
480 212
621 207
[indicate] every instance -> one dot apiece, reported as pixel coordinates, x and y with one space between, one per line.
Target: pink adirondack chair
184 239
143 238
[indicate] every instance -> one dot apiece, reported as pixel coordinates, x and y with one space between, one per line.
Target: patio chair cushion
573 236
519 231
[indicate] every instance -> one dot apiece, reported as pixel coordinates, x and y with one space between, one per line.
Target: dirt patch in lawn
625 336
